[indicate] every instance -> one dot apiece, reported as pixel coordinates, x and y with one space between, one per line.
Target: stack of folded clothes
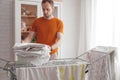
31 53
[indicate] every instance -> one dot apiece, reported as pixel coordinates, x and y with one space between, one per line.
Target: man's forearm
29 38
58 42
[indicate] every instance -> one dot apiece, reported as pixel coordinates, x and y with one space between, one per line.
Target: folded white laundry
36 61
23 46
31 53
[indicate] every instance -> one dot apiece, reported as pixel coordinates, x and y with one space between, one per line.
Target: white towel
102 64
63 72
31 53
37 73
19 46
72 72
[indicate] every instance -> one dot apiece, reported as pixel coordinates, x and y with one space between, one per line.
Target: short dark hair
49 1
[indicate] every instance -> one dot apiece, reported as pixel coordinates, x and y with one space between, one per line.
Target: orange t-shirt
46 31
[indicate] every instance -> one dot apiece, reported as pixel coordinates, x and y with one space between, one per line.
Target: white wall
6 29
6 33
71 24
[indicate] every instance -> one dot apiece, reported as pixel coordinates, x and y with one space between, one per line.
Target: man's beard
47 16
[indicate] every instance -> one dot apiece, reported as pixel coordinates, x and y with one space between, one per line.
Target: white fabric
102 63
20 46
31 53
36 61
85 29
73 72
43 73
63 72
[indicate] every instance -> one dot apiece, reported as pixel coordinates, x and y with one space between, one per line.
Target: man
47 29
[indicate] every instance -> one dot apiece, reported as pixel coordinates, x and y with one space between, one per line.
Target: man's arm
29 38
59 41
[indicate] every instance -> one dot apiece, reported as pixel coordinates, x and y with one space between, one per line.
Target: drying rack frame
10 66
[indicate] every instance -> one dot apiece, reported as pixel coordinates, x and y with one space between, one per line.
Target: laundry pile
31 53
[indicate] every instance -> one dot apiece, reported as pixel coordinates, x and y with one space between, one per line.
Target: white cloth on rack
31 53
102 63
73 72
37 73
63 72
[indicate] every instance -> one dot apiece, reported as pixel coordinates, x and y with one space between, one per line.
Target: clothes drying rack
10 66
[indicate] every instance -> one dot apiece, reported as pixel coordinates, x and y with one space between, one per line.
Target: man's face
47 10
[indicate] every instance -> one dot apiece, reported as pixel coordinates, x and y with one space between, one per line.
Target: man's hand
53 56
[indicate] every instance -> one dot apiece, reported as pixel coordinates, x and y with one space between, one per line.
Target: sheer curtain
85 25
100 26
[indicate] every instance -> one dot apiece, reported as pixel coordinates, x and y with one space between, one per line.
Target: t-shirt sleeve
60 26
